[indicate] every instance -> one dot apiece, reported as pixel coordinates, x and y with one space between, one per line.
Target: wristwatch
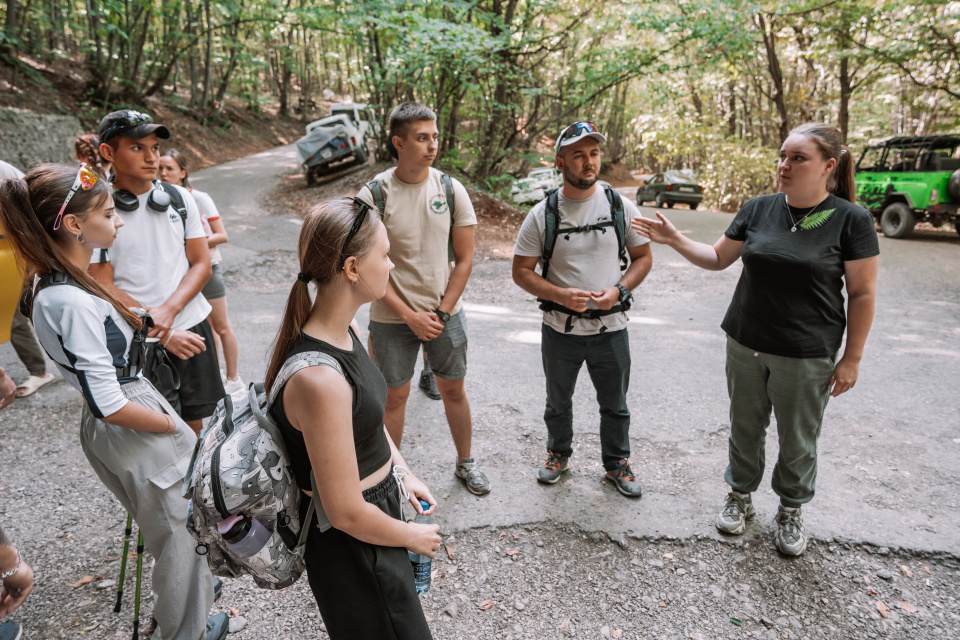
626 296
443 316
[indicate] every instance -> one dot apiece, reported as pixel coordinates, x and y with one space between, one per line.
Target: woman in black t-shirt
332 425
786 321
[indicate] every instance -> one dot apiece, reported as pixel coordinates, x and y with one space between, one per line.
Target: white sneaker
234 386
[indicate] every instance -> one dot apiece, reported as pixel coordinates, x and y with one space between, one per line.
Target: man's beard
580 183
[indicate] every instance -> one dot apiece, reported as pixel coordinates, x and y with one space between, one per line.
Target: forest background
713 85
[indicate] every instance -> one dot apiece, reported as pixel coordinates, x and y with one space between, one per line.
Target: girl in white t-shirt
173 169
137 445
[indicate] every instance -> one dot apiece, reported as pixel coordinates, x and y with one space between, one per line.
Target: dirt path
577 559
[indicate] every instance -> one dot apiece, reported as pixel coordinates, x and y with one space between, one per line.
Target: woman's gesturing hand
660 231
844 376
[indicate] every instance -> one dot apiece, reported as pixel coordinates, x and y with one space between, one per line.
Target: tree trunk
208 60
10 28
846 90
768 33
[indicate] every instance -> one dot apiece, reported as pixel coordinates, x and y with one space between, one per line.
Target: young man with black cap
160 262
585 291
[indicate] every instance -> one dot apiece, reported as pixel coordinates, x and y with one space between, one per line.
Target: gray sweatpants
797 391
144 471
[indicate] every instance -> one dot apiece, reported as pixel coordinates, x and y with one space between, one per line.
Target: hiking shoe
429 386
217 626
475 479
10 630
790 540
623 478
736 511
556 465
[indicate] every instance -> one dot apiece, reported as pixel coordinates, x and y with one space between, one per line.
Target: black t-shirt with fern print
789 301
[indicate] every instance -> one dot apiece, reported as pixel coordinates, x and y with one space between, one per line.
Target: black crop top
369 400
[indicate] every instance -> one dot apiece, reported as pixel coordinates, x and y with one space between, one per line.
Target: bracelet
4 576
169 338
171 426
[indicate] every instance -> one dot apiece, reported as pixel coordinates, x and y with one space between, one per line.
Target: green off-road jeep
909 178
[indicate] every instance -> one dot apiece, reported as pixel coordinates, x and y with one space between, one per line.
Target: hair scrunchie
303 278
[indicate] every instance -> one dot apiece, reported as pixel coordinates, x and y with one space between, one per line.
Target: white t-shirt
86 333
418 224
208 212
149 259
587 260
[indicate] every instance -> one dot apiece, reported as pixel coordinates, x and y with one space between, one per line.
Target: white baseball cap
577 132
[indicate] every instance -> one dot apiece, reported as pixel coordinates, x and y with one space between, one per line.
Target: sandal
29 386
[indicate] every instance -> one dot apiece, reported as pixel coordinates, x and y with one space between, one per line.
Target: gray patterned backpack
240 467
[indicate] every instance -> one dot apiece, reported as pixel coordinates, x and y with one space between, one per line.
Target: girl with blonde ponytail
137 445
332 425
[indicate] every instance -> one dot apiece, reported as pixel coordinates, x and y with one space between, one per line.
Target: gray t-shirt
587 260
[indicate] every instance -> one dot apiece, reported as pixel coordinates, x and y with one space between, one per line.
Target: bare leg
457 408
220 322
196 425
395 412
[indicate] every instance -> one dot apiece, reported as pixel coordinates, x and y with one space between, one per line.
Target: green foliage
815 220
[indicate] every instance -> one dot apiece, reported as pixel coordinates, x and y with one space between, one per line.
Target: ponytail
294 317
28 207
843 180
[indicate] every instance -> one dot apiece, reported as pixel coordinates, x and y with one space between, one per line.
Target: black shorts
200 387
364 590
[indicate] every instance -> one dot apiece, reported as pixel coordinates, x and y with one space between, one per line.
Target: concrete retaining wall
28 139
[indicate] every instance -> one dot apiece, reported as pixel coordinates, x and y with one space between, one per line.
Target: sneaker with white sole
790 539
624 479
555 467
476 481
11 630
232 386
735 513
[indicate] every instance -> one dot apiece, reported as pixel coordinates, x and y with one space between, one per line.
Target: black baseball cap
130 124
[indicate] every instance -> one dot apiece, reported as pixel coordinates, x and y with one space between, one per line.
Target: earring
355 286
80 238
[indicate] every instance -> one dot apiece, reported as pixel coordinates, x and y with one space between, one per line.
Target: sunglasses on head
132 119
577 128
362 210
86 178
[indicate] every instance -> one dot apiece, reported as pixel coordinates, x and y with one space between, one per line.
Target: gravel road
577 559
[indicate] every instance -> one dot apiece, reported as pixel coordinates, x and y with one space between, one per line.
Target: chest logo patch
438 205
174 217
816 220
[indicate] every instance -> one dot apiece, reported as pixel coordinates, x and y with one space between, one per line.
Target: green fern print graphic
817 219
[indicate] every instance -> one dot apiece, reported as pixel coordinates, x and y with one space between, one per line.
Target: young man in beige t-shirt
422 306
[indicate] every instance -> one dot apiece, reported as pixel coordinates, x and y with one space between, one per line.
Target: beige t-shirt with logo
418 225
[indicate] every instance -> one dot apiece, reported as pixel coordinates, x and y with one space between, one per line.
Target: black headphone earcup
125 201
159 200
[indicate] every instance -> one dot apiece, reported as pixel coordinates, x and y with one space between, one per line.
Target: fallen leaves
906 571
82 581
668 556
234 612
486 605
926 568
90 628
617 633
563 625
906 606
449 551
513 552
737 621
883 609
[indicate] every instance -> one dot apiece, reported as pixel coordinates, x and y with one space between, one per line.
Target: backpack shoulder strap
451 207
176 201
297 362
379 196
551 218
619 223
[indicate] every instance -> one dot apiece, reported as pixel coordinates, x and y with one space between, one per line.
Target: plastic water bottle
244 536
421 564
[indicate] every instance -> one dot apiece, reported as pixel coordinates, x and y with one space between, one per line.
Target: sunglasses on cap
86 178
130 120
575 130
363 210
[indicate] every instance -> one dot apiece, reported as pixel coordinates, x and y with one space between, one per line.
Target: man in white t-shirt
428 217
585 291
160 262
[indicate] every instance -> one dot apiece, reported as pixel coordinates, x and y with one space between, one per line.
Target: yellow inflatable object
11 283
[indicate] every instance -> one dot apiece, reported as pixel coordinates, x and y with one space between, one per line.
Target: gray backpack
240 466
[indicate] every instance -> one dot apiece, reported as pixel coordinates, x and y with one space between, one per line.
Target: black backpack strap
551 218
619 223
176 201
379 196
451 207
